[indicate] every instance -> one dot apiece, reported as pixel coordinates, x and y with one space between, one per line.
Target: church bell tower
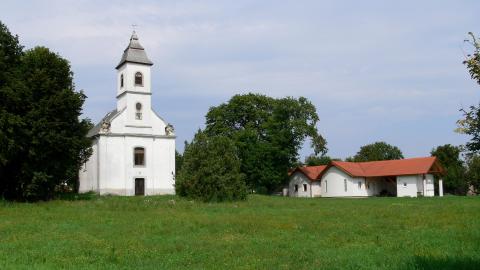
134 83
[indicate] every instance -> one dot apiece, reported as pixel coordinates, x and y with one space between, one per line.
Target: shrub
211 170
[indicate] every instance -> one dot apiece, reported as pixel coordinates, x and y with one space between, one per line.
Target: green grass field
168 232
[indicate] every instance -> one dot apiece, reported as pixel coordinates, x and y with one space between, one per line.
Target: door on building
139 186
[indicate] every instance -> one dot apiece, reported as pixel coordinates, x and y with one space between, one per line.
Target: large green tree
178 162
43 141
211 170
455 181
470 124
268 133
377 151
473 172
473 60
314 160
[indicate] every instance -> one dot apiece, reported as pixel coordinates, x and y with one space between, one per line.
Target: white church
133 147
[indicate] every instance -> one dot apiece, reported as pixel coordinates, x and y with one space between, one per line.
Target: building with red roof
405 177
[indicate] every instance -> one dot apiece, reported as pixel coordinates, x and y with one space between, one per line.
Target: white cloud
364 64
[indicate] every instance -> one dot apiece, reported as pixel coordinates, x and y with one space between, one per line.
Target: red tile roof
312 172
409 166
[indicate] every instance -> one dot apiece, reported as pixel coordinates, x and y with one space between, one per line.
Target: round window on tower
138 106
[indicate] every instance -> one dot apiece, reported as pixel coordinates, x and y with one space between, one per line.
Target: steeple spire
134 53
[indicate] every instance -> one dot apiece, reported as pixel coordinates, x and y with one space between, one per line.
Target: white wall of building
316 189
337 183
301 181
429 186
88 175
409 185
128 70
412 185
117 171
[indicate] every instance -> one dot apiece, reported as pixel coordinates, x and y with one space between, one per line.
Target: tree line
247 146
43 141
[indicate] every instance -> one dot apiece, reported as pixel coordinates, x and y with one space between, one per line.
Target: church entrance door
139 186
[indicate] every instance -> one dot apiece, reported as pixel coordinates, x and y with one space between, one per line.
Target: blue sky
375 70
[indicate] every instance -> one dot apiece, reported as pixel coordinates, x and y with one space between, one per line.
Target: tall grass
166 232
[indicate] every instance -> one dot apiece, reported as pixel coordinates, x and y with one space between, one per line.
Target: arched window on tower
121 80
138 112
138 79
139 156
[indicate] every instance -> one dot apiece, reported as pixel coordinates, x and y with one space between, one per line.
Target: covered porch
381 186
405 185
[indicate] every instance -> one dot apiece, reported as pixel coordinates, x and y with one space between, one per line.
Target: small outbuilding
410 177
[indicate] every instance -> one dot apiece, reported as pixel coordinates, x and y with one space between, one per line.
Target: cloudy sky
375 70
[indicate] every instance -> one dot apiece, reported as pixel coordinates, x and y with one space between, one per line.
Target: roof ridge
390 160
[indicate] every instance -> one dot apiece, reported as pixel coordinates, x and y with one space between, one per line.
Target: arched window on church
139 156
138 112
121 80
138 79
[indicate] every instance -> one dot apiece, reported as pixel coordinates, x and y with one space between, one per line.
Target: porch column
424 186
440 187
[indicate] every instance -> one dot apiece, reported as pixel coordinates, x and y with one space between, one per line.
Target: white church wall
117 125
119 173
88 173
151 124
158 124
112 165
146 111
128 71
163 167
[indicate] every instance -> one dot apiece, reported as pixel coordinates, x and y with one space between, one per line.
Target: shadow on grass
445 263
71 196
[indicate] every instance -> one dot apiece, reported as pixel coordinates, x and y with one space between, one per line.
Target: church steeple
134 82
134 53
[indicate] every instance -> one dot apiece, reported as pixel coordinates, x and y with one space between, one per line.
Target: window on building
404 184
139 156
296 188
326 186
138 112
304 187
345 184
359 184
138 79
121 80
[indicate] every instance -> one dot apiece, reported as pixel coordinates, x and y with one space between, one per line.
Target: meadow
264 232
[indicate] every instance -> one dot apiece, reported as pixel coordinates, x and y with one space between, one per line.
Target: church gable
154 126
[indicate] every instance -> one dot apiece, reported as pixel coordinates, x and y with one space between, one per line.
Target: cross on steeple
134 27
